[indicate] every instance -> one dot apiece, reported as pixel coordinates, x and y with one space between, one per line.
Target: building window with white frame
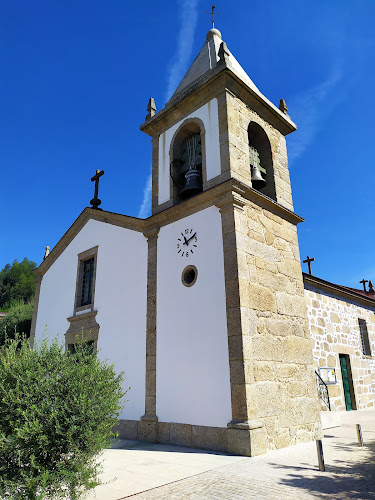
366 348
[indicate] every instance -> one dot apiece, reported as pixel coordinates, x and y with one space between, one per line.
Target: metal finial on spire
212 13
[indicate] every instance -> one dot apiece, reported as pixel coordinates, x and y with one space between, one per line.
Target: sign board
328 375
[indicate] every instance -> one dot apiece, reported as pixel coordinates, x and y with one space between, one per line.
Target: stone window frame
191 267
258 138
365 338
83 326
194 122
82 257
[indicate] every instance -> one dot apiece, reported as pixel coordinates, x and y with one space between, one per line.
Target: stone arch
189 128
259 140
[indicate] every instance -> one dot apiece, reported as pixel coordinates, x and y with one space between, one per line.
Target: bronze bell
193 183
257 180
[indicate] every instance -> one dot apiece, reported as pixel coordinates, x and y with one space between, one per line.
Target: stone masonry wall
334 330
239 116
277 349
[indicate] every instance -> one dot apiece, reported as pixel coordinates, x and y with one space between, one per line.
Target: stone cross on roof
309 260
364 284
95 202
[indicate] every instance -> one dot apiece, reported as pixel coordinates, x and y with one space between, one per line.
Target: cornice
154 125
231 192
265 202
343 292
88 214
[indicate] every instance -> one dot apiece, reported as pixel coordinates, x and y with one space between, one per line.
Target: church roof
349 294
370 295
213 59
207 59
88 213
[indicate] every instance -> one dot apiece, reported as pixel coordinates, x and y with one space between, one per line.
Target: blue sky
77 76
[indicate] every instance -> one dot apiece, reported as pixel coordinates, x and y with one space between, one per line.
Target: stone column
38 282
147 428
155 174
245 437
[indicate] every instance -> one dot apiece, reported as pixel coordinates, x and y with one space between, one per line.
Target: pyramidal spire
213 52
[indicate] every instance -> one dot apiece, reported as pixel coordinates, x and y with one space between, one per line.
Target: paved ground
154 472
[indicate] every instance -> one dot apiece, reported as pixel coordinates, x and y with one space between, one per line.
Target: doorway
347 382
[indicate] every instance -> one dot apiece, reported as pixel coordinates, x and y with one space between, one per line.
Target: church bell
257 180
193 183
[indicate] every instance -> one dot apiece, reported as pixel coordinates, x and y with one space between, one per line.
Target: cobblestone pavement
291 473
143 471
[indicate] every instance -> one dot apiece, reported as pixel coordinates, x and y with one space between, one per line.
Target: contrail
188 18
145 208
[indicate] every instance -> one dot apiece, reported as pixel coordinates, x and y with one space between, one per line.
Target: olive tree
57 412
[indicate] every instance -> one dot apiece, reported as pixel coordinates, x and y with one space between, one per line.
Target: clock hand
186 241
192 237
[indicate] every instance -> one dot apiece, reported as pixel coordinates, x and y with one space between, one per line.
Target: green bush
18 319
57 411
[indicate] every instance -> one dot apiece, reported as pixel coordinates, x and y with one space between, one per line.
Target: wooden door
347 382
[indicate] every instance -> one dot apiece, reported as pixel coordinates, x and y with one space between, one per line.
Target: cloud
185 38
188 20
145 208
311 107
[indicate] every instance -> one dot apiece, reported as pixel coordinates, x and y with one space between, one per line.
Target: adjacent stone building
203 304
342 327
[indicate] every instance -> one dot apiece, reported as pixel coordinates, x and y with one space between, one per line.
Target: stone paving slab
154 472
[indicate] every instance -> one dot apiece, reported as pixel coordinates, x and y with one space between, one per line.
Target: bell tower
217 125
220 143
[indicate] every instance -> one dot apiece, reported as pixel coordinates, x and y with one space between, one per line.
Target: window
261 164
90 346
189 276
87 282
85 286
187 162
364 337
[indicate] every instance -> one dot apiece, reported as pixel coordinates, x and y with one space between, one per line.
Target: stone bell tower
239 152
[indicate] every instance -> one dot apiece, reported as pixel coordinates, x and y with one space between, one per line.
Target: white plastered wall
210 117
120 299
192 372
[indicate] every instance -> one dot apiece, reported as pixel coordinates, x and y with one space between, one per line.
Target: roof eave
338 290
87 214
151 124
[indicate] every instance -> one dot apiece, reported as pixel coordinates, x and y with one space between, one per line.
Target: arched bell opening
261 165
187 161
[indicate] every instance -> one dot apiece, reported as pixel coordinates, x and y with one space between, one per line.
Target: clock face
187 242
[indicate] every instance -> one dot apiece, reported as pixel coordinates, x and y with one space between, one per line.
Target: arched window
261 165
186 162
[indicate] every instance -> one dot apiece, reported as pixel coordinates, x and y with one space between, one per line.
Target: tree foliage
57 411
17 283
18 319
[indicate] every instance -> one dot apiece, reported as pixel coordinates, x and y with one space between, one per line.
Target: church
226 344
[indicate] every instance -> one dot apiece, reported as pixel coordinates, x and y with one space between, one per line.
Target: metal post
359 435
319 449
